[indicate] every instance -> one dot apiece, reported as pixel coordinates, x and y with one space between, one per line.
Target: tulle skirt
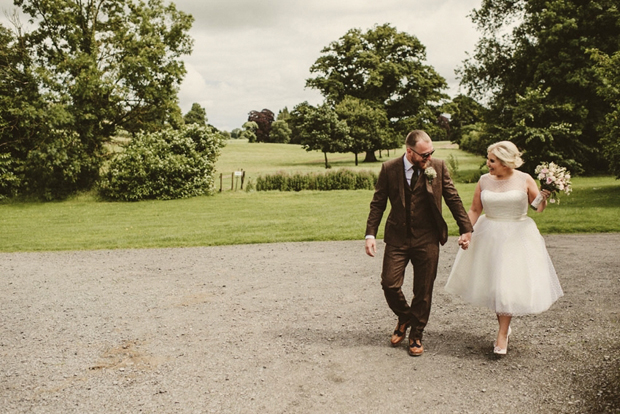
507 268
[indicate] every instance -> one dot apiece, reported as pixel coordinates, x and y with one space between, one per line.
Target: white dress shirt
408 169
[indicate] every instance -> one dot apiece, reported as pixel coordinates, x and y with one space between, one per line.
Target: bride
506 266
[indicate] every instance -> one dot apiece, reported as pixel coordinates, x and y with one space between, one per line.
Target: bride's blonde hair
507 153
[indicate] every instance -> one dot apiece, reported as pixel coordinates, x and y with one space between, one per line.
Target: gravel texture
293 328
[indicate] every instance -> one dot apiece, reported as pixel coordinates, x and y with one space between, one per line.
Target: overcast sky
251 54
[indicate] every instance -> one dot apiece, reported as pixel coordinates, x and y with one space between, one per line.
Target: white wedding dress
507 267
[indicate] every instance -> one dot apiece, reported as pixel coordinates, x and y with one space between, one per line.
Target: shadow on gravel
598 384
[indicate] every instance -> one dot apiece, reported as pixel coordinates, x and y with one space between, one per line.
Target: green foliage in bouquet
164 165
342 179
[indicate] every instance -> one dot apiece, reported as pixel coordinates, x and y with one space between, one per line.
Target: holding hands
464 240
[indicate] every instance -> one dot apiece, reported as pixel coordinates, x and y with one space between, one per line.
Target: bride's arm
476 206
532 193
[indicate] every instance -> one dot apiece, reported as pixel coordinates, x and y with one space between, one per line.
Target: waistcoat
418 207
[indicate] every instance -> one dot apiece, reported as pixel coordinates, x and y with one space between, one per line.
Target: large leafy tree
386 68
98 65
369 127
295 120
465 112
533 66
196 115
608 69
280 132
24 115
319 129
249 131
263 119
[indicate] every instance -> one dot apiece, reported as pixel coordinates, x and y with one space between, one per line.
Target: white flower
430 173
554 178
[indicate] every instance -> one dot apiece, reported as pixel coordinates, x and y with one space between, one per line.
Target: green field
257 159
239 217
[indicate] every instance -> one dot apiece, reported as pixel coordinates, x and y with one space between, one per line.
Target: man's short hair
415 136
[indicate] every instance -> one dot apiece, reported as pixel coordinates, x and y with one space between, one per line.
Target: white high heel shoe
501 351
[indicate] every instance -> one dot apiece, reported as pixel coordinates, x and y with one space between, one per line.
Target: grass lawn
237 217
258 158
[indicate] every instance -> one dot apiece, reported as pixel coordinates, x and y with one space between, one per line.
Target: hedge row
342 179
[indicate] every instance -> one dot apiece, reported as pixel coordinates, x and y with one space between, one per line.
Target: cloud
257 54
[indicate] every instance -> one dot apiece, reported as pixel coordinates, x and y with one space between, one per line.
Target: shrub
342 179
453 166
164 165
9 182
59 167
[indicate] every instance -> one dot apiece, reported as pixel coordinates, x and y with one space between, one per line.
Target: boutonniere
430 174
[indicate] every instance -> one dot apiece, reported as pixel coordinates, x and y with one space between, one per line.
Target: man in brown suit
414 184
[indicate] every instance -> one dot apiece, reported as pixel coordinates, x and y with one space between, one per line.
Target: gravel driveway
292 328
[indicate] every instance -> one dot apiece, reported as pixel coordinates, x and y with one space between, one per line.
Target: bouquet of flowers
554 178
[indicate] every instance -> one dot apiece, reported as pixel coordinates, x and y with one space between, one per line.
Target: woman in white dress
506 266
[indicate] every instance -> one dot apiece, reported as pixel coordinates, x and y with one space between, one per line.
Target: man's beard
421 164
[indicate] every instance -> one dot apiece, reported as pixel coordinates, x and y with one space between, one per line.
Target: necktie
414 177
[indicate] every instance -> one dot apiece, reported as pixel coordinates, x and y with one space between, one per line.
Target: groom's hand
371 246
464 240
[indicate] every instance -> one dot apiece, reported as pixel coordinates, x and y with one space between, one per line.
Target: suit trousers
424 255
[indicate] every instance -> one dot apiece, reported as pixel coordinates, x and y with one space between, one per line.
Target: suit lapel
401 179
429 186
429 190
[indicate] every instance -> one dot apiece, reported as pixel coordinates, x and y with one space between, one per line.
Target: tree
320 129
283 114
369 127
93 66
464 112
280 132
249 131
538 78
263 119
196 115
608 70
296 119
385 68
24 114
236 133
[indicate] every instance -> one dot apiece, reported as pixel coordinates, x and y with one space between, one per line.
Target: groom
414 184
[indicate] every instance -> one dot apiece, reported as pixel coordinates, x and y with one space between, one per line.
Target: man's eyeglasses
424 156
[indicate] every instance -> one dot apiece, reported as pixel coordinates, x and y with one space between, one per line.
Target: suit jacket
391 186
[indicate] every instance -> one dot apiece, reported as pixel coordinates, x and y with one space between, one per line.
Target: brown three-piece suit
414 229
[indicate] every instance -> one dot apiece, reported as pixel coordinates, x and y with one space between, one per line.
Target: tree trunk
326 163
370 157
356 159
